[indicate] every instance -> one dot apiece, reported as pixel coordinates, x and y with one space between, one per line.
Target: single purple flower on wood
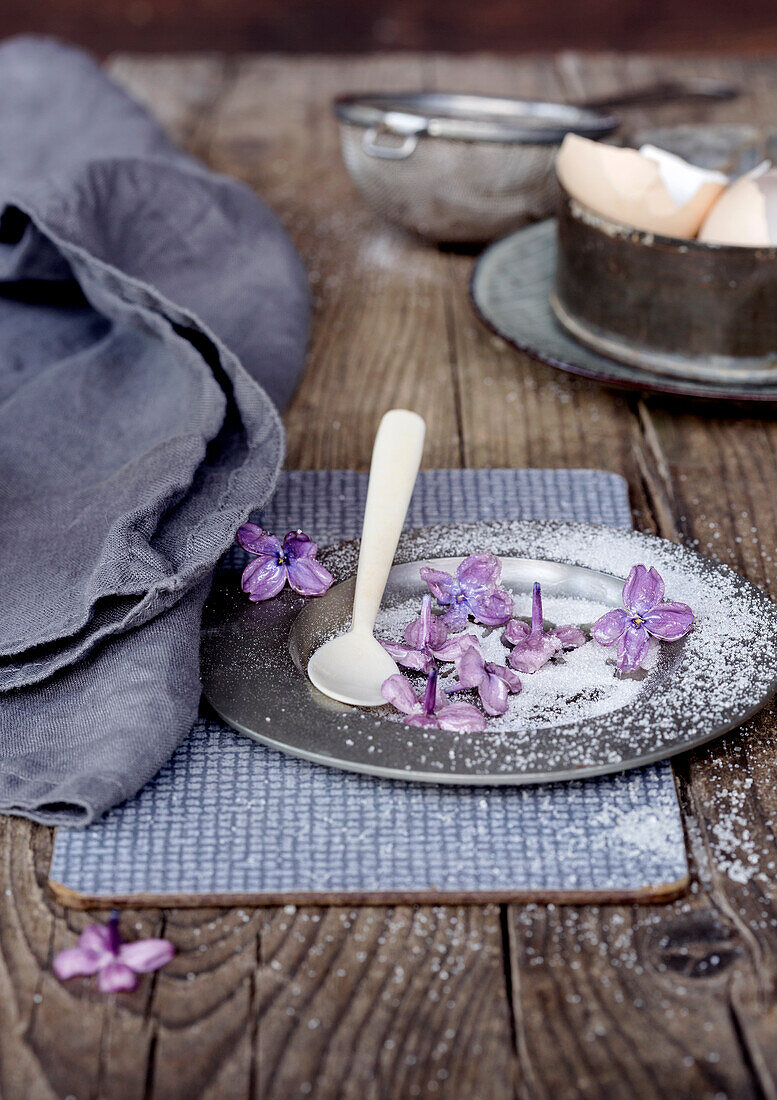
473 591
493 682
116 964
645 617
294 561
535 646
427 640
432 709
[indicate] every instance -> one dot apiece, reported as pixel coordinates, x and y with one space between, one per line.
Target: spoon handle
396 457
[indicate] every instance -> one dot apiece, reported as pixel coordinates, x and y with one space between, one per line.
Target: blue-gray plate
510 289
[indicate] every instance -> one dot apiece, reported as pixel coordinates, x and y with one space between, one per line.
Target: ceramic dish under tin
254 656
511 289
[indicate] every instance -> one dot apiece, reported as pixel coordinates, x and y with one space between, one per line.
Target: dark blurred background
742 26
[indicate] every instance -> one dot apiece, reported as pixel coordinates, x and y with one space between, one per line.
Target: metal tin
680 307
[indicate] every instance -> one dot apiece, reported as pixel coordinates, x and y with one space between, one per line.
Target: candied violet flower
294 561
116 964
534 646
645 617
473 591
431 709
493 682
427 639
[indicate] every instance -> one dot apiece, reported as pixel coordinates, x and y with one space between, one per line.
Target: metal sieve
467 168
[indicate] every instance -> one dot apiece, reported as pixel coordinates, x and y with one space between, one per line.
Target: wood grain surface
477 1001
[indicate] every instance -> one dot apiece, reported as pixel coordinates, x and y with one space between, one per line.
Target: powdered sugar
558 727
576 685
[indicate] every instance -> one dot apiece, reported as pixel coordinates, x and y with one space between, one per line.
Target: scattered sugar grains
580 684
707 681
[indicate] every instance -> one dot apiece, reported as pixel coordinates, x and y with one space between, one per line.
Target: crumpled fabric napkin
152 315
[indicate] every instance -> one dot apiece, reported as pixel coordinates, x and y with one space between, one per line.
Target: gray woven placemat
230 819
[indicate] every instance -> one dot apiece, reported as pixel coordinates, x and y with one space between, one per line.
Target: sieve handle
388 152
664 91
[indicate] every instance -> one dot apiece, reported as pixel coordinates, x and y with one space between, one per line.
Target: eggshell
656 192
746 212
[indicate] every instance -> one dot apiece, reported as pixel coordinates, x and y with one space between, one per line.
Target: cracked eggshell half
746 212
648 189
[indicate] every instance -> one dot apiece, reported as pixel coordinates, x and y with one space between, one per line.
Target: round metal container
458 168
685 308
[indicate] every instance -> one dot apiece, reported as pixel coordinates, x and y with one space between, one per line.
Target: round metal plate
511 288
254 656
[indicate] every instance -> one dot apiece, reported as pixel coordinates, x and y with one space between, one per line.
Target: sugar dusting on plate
576 685
709 681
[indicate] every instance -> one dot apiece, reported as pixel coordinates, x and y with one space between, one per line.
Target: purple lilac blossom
432 709
473 591
426 640
275 563
493 682
645 616
116 964
533 646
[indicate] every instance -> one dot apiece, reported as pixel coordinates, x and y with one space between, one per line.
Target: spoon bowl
352 669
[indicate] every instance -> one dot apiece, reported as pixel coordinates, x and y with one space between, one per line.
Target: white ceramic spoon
352 668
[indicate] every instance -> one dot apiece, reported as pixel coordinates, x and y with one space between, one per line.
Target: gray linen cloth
151 312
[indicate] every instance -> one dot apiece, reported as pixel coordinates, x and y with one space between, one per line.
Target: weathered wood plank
617 1002
25 937
378 339
54 1038
362 1004
514 411
202 1006
721 464
376 1021
677 1000
179 92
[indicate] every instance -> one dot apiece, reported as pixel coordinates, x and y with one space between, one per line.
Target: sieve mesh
451 190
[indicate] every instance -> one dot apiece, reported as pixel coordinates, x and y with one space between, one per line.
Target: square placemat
229 821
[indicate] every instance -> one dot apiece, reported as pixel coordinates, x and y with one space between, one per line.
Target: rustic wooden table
478 1001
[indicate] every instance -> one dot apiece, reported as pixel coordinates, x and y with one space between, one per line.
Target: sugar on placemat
228 820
